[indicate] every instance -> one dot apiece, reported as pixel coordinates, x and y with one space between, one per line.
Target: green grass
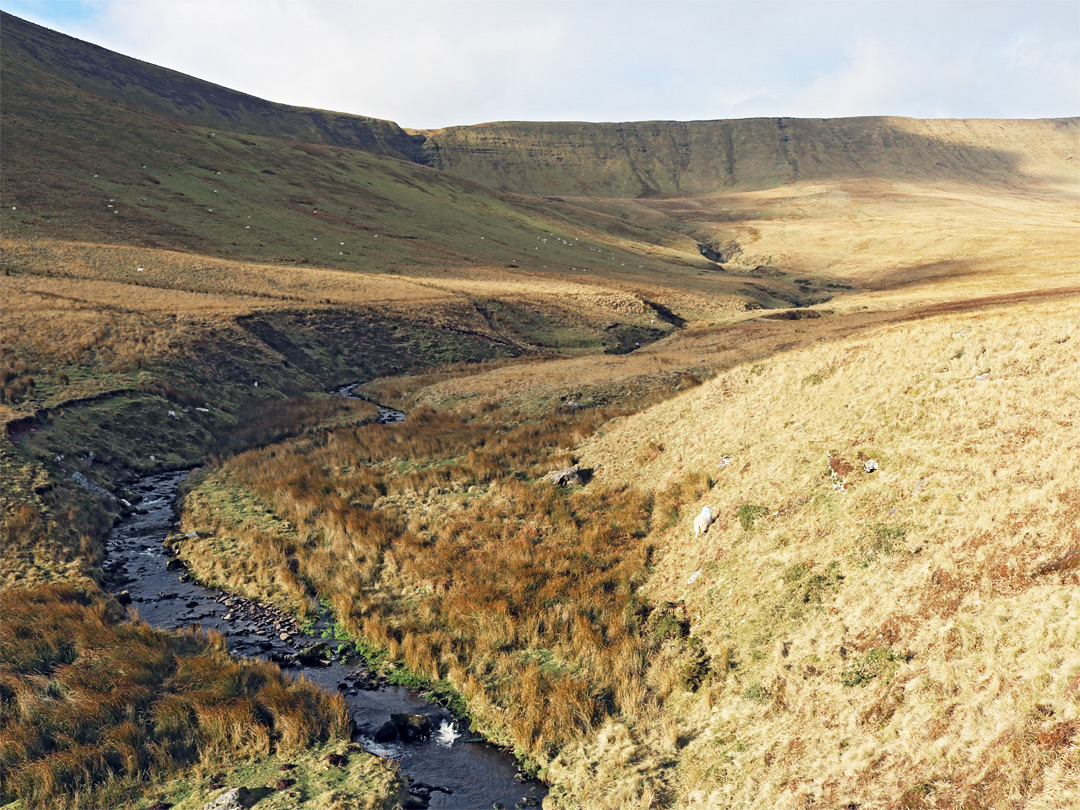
749 514
879 662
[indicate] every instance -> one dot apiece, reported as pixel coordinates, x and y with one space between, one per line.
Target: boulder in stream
412 727
385 733
314 655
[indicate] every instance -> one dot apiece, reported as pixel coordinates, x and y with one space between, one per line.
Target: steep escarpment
673 158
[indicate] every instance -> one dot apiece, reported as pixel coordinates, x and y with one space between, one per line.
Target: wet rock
385 733
314 654
412 727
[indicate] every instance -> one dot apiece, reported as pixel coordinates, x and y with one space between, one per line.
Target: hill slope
895 634
697 158
183 98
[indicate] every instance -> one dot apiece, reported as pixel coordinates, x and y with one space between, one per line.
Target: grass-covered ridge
700 158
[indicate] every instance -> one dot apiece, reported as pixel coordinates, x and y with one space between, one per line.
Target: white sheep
703 521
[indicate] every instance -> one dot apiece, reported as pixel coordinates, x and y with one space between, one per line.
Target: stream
450 768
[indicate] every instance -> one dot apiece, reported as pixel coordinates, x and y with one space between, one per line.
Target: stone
569 475
237 798
314 654
385 733
412 727
92 486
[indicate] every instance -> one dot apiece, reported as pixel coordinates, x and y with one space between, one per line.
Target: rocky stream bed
444 764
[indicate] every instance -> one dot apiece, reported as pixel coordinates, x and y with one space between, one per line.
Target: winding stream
449 769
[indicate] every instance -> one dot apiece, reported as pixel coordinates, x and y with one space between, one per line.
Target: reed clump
94 708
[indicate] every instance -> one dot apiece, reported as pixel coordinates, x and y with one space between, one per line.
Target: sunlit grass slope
901 637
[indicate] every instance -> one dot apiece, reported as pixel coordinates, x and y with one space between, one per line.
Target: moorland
855 340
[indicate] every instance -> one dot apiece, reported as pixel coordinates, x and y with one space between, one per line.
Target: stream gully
448 769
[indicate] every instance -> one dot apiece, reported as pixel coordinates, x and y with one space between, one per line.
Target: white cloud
434 63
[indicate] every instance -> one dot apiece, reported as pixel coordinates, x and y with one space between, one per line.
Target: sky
433 63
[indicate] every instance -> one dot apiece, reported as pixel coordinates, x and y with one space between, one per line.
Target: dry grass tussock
47 532
93 709
905 637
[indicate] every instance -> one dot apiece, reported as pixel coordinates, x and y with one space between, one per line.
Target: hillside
733 314
699 158
899 637
157 90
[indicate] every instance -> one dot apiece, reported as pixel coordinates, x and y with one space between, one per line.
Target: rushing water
449 769
387 416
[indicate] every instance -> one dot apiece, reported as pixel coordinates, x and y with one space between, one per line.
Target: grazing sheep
703 521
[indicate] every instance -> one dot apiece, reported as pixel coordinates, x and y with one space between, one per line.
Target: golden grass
926 566
94 710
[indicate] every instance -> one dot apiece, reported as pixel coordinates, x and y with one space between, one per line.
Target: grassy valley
855 340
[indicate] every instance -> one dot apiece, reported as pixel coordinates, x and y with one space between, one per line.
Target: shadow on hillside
915 274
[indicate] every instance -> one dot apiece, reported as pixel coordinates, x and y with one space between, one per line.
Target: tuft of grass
875 663
749 513
93 709
757 693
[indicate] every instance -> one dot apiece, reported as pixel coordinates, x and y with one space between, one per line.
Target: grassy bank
437 542
96 711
